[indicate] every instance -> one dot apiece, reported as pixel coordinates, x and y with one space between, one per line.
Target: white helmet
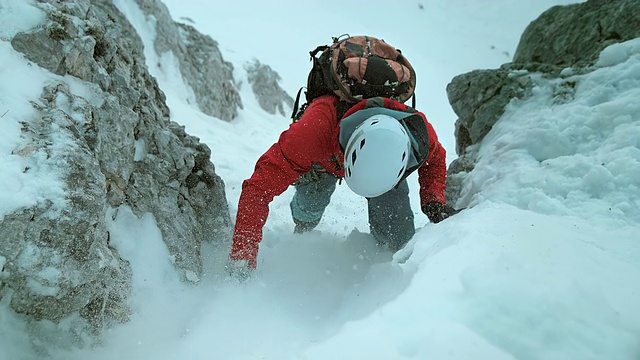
376 156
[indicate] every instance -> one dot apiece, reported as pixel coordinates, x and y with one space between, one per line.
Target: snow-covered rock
201 64
564 41
101 132
264 83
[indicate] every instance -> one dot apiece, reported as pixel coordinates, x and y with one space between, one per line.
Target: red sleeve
432 176
293 155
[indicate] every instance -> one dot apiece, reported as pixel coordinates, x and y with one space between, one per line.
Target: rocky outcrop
478 98
264 82
563 41
112 145
58 258
574 35
201 63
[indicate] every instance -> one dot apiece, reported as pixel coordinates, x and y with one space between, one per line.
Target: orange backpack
357 68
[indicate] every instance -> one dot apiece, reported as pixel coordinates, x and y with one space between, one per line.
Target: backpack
357 68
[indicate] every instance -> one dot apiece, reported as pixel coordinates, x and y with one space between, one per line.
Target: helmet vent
404 155
362 143
349 172
353 158
401 172
374 122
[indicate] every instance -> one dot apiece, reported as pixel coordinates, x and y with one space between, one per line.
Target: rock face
58 258
574 35
264 82
201 63
114 146
562 37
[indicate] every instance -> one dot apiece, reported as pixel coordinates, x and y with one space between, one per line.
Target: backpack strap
294 114
342 108
315 84
314 52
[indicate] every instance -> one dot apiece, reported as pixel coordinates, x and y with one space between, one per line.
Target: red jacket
314 139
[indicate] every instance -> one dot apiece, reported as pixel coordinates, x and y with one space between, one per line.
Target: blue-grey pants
390 214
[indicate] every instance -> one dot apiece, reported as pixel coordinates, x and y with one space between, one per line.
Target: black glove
437 212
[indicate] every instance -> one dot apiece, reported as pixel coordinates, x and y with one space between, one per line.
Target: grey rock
120 149
457 172
574 35
479 98
265 84
58 258
201 63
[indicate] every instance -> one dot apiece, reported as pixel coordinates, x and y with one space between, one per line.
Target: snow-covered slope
544 266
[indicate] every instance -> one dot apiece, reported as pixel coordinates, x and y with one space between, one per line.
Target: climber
374 146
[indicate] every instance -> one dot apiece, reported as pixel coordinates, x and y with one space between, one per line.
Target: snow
12 10
619 53
544 265
513 287
22 82
150 259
